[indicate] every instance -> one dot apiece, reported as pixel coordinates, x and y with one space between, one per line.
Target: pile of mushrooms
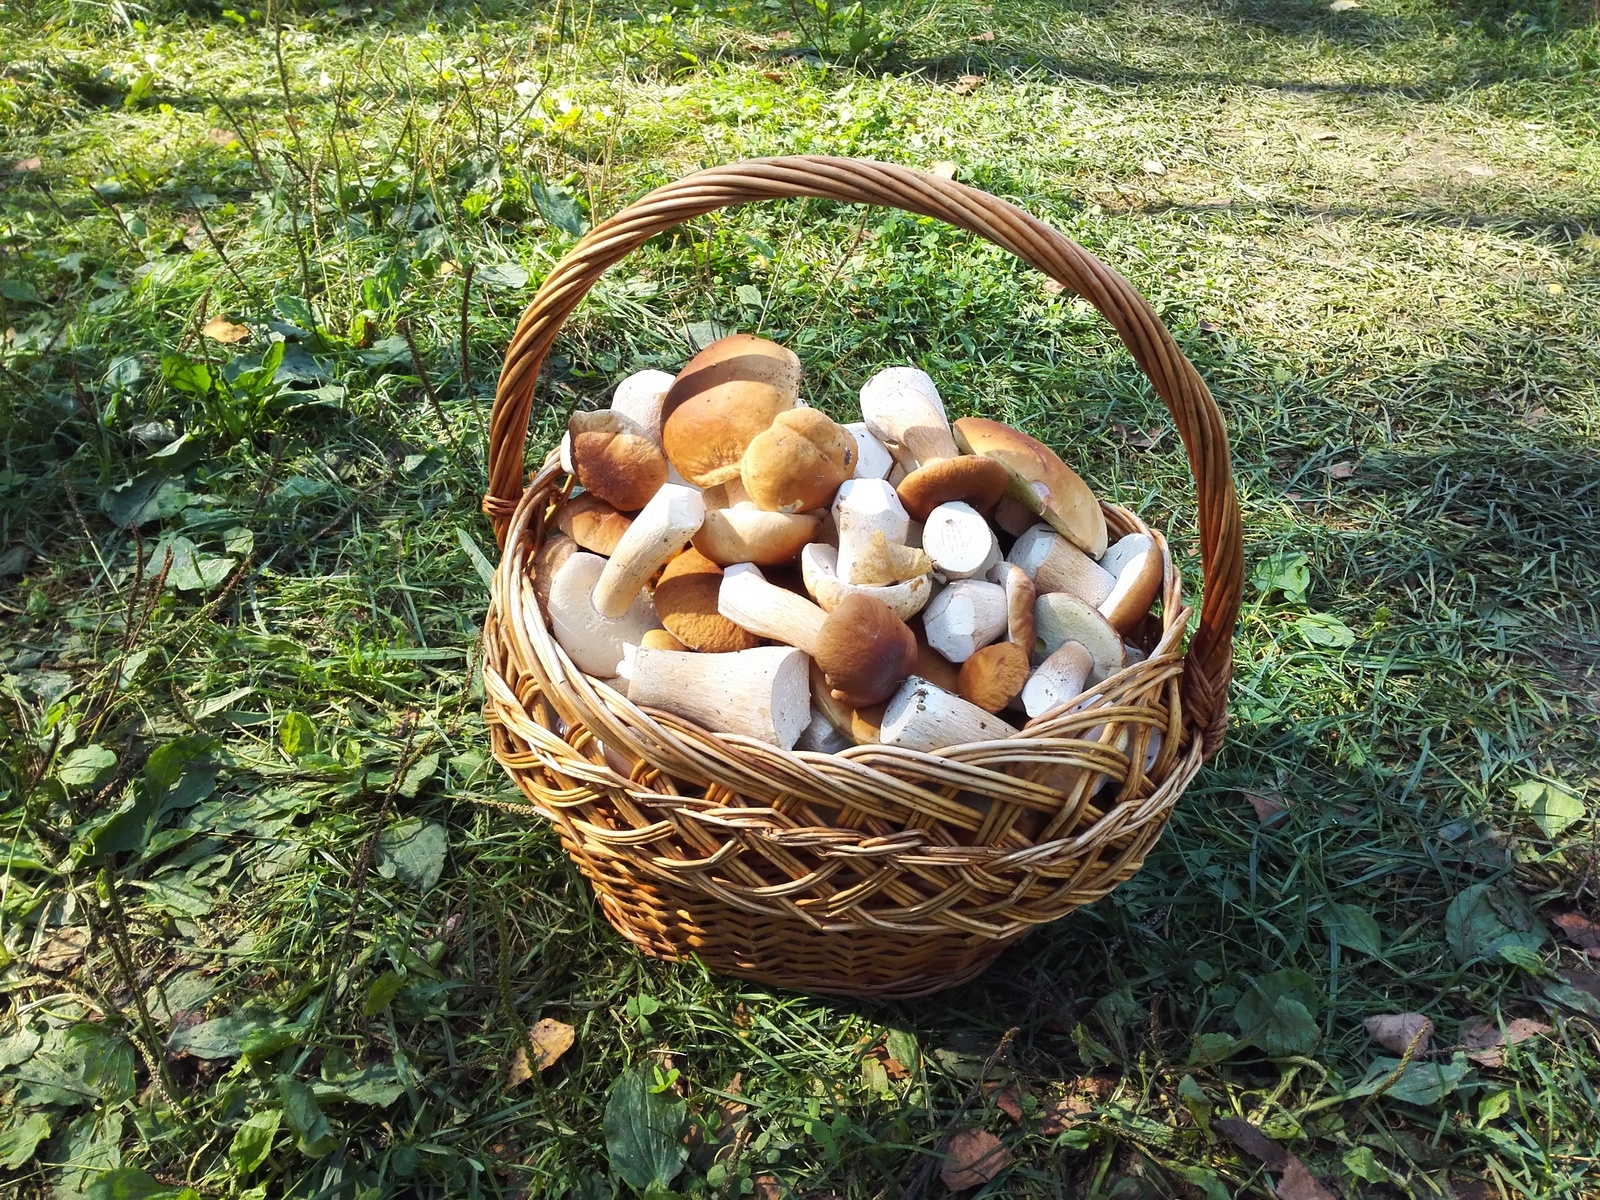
738 559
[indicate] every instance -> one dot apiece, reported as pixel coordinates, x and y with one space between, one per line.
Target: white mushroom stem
873 460
862 508
959 541
1058 679
566 454
819 568
1056 565
821 736
767 610
923 717
965 617
903 410
763 693
639 396
595 642
662 528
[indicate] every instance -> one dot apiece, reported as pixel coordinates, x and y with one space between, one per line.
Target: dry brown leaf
774 76
976 1157
1300 1184
1009 1101
1060 1115
62 949
1535 415
220 329
1342 470
943 168
986 36
549 1040
1271 807
1473 1189
1395 1031
767 1187
27 164
1580 931
1485 1043
1153 166
968 84
221 137
895 1069
1252 1141
1054 287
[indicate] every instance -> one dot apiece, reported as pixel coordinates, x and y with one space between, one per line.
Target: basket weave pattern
878 871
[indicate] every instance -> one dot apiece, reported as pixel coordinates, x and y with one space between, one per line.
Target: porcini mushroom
923 717
1020 596
1061 618
1136 566
971 478
994 676
592 639
965 617
1056 565
821 736
546 563
661 529
959 541
640 396
798 462
819 568
873 459
720 401
862 508
686 601
660 639
1011 516
902 408
767 610
1058 679
764 693
745 533
1039 480
615 459
592 523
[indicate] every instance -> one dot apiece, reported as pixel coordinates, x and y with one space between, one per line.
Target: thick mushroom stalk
764 693
661 529
767 610
1056 565
1020 596
873 460
923 717
902 408
1058 679
959 541
639 396
819 569
592 639
965 617
862 508
1136 564
1061 618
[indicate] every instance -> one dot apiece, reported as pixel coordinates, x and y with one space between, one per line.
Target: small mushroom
763 693
592 523
965 617
662 528
660 639
902 408
724 396
546 563
1056 565
819 569
972 478
1039 480
615 459
592 639
882 562
994 676
921 716
686 602
1061 618
745 533
873 460
1059 678
1020 597
862 508
767 610
1137 569
797 462
640 396
959 541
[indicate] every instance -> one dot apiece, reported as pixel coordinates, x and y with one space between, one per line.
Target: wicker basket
876 872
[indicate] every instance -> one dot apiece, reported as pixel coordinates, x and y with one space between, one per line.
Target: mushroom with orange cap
722 399
1040 480
798 462
615 459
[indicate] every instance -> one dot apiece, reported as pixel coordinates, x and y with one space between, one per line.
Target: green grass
1376 233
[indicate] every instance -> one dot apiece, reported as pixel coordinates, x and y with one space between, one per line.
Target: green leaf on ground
643 1130
1551 805
1486 917
312 1131
413 851
296 734
1356 929
252 1141
18 1143
85 765
1320 629
1288 571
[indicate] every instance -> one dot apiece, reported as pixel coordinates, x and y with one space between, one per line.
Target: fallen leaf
767 1187
61 949
1485 1043
1209 326
1009 1099
1054 287
1342 5
986 36
1342 470
1300 1184
221 137
27 164
1473 1189
220 329
976 1157
1535 415
774 76
549 1040
895 1069
1396 1031
1580 931
1327 135
1152 166
1252 1141
968 84
1271 807
1060 1115
943 169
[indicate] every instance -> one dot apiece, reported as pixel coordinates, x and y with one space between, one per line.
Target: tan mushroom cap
1039 480
798 462
745 533
546 563
615 459
592 523
971 478
686 602
865 651
1136 563
660 639
994 676
1061 618
720 401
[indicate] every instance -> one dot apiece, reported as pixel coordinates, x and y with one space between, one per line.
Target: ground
265 933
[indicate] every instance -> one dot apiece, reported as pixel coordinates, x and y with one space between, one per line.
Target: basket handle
1209 664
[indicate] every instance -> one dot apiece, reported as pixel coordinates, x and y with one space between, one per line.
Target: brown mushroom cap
865 651
720 401
615 459
660 639
993 677
1020 597
798 462
972 478
1040 480
1136 563
745 533
592 523
546 563
686 602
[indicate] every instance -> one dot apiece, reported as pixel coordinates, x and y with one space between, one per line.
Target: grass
261 936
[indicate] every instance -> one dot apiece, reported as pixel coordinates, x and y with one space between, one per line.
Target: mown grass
1374 231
